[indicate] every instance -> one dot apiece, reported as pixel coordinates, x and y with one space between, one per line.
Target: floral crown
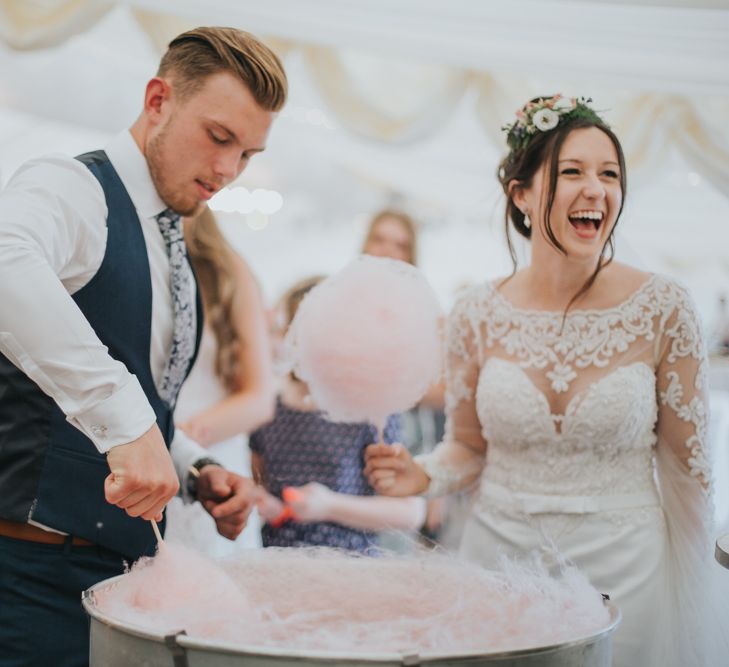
544 115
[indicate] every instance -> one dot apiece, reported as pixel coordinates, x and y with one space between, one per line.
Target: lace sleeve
681 378
459 459
695 606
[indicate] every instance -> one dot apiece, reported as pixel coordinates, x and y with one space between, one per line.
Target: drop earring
527 221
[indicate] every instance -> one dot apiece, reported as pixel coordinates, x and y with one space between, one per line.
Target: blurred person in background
230 390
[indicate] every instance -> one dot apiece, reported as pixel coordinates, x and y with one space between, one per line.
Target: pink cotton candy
366 340
177 589
327 601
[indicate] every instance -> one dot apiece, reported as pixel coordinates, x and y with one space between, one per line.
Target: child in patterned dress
332 503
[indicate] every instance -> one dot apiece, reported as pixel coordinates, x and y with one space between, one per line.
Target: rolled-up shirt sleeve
52 242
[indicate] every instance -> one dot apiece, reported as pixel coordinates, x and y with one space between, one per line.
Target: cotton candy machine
117 642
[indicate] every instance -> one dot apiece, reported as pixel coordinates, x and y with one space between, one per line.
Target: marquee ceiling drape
672 56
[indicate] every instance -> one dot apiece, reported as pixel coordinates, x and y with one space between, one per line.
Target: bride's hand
391 471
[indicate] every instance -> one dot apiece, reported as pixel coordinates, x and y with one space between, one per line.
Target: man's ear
158 92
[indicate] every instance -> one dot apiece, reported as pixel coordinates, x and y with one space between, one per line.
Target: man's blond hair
197 54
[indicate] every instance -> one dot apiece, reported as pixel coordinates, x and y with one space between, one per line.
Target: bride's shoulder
635 281
623 286
631 279
625 280
471 306
669 295
474 295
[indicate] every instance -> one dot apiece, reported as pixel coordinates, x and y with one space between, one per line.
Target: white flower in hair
544 115
563 104
545 119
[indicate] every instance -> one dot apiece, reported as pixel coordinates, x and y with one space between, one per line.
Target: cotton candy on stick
366 340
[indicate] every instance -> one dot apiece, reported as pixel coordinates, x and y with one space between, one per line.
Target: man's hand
143 478
227 497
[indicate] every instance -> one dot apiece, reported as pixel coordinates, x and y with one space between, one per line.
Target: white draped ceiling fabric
669 61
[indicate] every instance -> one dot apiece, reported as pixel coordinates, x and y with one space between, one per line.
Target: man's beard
157 167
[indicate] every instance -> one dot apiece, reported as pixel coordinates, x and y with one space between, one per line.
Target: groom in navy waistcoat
99 325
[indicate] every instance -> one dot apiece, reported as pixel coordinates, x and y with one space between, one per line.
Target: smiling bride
576 400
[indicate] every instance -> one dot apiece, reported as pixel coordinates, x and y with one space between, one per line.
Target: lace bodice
602 444
576 406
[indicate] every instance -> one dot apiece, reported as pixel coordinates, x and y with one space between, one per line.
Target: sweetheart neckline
558 420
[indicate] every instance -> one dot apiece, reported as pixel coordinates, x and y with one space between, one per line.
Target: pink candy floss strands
366 340
324 600
178 588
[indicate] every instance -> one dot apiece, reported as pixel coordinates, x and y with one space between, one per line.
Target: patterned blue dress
299 447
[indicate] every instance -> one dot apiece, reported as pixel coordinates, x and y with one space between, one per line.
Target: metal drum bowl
116 644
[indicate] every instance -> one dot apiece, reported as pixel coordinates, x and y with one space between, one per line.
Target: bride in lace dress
576 399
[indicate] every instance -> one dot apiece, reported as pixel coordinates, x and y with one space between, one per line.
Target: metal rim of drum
185 641
722 551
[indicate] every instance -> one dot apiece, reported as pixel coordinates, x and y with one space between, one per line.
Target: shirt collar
131 166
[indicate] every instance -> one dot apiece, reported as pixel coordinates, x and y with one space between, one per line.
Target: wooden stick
155 528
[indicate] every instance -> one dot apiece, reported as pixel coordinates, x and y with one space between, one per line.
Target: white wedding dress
191 525
588 435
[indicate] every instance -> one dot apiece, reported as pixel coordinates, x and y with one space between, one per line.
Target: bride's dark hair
518 168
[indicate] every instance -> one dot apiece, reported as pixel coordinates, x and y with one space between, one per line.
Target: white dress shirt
52 243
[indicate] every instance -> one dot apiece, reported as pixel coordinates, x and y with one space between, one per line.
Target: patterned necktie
183 331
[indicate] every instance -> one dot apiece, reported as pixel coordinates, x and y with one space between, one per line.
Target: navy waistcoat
50 472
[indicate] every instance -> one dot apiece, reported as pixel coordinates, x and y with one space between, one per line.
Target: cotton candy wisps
366 340
327 601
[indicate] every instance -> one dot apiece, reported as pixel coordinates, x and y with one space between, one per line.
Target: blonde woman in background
393 233
230 390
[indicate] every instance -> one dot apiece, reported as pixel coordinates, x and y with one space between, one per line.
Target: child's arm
270 508
273 510
315 502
